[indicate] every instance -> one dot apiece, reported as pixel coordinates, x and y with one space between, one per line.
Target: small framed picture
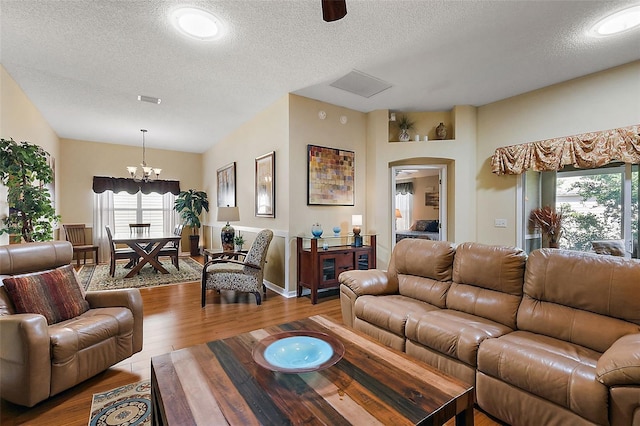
266 185
227 185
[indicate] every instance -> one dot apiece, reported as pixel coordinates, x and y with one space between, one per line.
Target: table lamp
356 221
228 214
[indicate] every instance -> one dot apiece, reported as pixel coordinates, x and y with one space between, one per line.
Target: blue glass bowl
298 351
316 232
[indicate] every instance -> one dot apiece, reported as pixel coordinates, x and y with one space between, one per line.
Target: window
138 208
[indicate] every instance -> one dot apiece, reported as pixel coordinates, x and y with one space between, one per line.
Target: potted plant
239 241
189 204
549 222
404 124
25 170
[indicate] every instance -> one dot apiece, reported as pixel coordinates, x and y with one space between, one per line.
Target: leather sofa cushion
55 294
453 333
389 312
89 329
492 305
496 268
424 289
423 258
555 370
598 307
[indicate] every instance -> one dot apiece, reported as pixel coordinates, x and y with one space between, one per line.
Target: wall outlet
500 223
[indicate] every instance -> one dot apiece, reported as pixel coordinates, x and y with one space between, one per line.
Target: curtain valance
404 188
585 151
102 183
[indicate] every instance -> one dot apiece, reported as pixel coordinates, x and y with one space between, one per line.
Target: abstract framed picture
227 185
330 176
266 185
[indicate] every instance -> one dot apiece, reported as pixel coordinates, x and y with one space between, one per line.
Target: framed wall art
227 185
330 176
266 185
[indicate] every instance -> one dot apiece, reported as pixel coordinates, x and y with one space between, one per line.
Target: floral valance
404 188
102 183
585 151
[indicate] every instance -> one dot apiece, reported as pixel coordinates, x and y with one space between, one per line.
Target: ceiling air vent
361 84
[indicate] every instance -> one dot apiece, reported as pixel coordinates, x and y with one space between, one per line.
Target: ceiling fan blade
332 10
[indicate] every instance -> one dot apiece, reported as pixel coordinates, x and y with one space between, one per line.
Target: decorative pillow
421 225
611 247
432 226
55 294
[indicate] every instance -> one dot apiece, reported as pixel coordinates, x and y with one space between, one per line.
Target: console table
322 260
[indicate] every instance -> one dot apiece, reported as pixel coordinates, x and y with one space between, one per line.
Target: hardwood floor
173 319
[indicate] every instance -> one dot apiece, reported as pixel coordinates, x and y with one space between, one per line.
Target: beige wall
601 101
420 187
80 161
21 120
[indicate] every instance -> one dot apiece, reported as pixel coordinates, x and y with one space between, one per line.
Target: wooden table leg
146 257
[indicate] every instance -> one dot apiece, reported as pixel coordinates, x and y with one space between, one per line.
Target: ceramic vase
441 131
404 135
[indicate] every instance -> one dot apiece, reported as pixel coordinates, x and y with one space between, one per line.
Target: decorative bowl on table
298 351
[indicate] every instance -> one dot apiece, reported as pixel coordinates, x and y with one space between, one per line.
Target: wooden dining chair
119 253
139 227
76 235
172 249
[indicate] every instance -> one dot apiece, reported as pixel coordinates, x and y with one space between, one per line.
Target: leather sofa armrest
371 282
620 364
25 358
127 298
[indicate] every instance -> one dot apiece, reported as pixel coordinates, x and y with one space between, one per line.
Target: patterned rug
97 277
128 405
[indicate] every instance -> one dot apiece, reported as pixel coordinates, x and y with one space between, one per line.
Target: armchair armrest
127 298
620 364
25 358
371 281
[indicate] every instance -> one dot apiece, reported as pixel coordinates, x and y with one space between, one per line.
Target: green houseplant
189 204
25 170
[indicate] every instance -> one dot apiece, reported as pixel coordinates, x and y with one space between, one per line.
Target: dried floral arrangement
549 222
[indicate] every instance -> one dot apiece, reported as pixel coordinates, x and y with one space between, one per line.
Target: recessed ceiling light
197 23
618 22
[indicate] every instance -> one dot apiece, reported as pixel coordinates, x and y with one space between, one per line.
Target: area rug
98 278
128 405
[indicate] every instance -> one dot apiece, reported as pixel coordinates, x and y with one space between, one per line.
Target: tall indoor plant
189 204
549 222
25 170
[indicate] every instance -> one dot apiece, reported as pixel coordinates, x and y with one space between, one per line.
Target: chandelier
148 173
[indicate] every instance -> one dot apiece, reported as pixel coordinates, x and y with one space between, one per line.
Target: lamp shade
398 214
356 219
228 214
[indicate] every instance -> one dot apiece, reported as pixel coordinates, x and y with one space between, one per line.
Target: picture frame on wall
265 189
330 176
227 185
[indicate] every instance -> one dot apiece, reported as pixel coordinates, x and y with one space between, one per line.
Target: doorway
419 202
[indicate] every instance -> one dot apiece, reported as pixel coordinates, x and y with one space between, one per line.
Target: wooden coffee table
220 383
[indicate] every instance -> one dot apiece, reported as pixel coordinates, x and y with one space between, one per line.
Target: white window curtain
103 216
170 217
404 202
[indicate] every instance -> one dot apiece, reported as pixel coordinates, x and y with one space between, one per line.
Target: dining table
147 246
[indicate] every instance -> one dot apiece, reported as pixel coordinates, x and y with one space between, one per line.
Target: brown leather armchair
38 360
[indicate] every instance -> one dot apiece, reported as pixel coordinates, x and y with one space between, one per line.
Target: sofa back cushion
583 298
56 294
423 269
487 281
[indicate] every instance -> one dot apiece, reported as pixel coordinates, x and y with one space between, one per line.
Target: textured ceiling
83 63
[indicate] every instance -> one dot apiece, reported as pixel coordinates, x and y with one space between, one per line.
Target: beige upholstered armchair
72 337
247 276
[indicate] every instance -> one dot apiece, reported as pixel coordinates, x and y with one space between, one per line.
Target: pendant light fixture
148 173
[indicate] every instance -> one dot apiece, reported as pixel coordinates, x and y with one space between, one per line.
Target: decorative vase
441 131
194 241
336 231
404 135
316 230
238 248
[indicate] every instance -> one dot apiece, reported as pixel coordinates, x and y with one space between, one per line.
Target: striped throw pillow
55 294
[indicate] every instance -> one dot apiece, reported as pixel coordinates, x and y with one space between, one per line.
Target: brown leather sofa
552 339
38 360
